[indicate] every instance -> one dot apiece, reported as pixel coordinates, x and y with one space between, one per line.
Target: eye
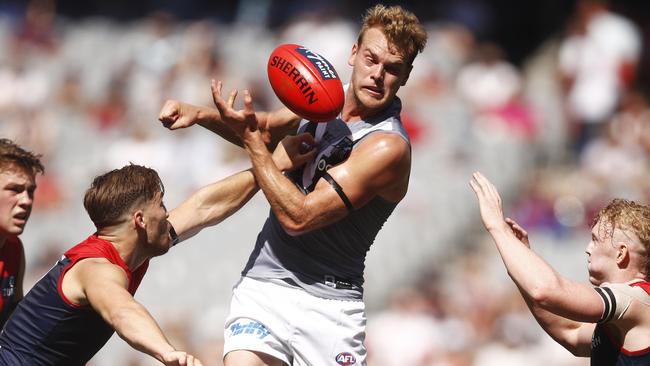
15 189
394 70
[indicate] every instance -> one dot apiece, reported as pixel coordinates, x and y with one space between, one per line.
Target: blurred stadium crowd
560 132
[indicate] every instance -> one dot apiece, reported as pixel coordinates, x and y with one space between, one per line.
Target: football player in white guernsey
300 298
609 321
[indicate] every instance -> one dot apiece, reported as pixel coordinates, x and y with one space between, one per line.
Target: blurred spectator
597 61
617 160
492 86
392 339
37 32
489 82
110 111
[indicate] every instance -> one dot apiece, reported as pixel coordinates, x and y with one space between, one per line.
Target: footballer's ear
353 54
622 254
138 220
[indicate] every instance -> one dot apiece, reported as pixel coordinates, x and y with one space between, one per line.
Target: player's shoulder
618 298
98 266
385 145
636 288
386 157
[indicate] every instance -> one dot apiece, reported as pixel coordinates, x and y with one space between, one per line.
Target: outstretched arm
103 286
215 202
276 125
574 336
564 308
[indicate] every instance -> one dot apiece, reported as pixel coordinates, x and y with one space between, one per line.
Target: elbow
298 218
294 227
576 349
542 294
295 224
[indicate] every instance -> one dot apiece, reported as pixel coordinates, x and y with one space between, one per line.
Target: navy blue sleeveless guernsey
606 351
47 329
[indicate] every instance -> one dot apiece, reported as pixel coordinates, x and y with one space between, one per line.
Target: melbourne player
18 170
74 309
609 322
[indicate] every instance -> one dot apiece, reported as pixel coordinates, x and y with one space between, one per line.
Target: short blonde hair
631 217
401 27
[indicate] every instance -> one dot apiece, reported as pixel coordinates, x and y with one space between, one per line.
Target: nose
25 199
378 72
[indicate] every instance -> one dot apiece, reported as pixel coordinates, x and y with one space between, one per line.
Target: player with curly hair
609 321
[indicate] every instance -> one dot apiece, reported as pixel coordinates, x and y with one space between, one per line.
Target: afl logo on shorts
345 358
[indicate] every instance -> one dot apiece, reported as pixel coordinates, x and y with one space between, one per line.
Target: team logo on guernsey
345 358
332 156
324 67
251 327
595 341
8 291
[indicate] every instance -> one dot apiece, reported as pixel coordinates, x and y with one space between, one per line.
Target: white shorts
291 325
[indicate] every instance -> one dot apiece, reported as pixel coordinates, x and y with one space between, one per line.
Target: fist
175 114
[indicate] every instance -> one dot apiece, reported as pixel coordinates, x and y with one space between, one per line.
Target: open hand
238 120
489 202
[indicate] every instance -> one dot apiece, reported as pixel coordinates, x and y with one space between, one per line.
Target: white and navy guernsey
46 329
605 349
328 262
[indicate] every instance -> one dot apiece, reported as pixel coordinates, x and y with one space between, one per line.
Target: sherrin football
305 82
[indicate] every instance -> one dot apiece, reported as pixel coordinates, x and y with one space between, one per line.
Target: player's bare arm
102 285
539 283
215 202
176 114
574 336
378 167
212 204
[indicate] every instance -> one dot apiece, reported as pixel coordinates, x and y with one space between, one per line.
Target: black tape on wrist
172 233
